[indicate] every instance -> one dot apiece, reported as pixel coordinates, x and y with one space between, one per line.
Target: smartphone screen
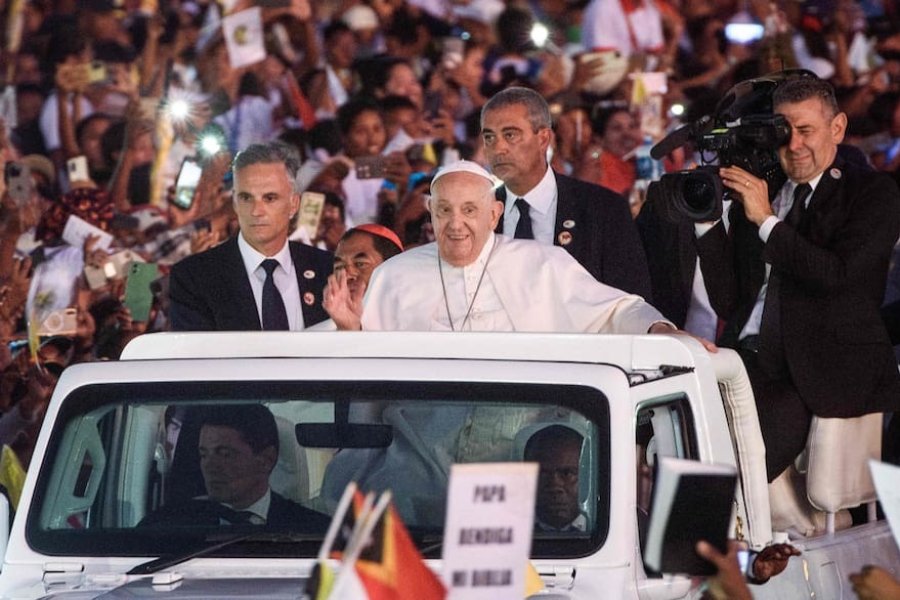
19 184
187 181
78 169
97 72
452 50
369 167
433 104
138 295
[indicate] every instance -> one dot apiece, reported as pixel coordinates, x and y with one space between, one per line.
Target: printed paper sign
244 37
77 230
310 212
487 536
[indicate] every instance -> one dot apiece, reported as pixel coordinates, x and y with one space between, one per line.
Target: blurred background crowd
108 103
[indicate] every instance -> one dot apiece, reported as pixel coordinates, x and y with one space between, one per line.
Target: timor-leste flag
391 568
343 524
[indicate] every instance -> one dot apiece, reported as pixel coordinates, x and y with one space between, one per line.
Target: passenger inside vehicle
557 449
159 469
238 449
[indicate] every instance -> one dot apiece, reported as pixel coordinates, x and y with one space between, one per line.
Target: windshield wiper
170 560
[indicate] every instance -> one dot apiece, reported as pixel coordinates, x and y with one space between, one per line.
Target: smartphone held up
370 167
77 169
19 184
186 183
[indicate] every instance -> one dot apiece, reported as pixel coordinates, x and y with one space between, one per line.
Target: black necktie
274 316
798 208
234 517
523 227
238 517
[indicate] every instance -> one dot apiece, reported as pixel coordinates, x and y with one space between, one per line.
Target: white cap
465 166
360 17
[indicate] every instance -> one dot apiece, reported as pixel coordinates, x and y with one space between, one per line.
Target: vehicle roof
631 353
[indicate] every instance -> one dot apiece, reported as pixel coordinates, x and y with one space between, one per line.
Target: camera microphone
680 137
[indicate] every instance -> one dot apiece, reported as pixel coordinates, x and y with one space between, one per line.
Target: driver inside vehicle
238 449
557 449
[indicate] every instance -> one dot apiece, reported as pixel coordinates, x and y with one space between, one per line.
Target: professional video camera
743 132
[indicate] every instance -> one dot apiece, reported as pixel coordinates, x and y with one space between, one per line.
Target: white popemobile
396 410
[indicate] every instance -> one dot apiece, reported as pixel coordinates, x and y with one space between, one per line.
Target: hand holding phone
77 168
433 101
604 70
98 73
370 167
59 322
138 294
452 50
186 183
19 184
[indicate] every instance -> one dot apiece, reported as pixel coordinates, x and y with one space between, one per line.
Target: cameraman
799 281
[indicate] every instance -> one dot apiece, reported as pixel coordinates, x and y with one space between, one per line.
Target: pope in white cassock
472 279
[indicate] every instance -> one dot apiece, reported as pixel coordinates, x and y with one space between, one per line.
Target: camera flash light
539 34
179 109
210 144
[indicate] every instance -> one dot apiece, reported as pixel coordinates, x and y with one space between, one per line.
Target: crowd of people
437 130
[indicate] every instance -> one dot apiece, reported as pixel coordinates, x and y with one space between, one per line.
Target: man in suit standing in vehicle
592 223
258 280
799 281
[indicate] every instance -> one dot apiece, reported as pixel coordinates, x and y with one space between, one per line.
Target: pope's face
463 213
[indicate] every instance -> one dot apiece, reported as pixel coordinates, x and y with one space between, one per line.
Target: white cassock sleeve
593 307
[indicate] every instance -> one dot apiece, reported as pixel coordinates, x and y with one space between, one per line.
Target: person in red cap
359 251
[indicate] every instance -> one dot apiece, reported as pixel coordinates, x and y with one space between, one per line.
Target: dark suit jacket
671 250
832 270
603 236
210 291
283 514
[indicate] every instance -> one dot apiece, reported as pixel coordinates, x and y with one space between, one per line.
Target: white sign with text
77 230
487 535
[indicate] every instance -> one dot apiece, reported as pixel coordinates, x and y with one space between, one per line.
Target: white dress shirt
701 320
542 202
285 280
260 509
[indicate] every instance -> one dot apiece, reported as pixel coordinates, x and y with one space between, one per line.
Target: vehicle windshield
157 469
